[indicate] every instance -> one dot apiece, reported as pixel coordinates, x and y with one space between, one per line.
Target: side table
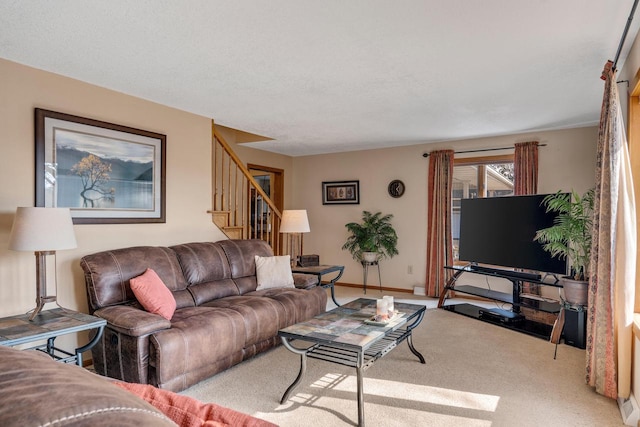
365 270
48 325
321 270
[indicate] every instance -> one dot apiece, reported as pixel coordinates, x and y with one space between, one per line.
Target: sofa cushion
262 317
207 270
189 412
299 304
273 272
153 294
107 274
201 342
240 254
202 262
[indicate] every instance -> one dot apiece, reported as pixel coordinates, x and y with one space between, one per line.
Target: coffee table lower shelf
349 357
526 326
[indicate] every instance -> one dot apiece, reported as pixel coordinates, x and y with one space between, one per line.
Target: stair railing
240 207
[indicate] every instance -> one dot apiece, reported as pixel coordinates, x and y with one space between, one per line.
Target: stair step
233 232
221 218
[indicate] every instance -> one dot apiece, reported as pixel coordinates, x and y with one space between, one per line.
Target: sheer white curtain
613 256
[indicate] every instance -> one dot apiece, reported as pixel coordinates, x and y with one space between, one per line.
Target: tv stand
505 273
511 319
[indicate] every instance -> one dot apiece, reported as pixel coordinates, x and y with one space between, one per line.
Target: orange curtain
439 237
525 173
613 256
525 168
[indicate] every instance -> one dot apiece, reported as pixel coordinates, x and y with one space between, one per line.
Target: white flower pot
370 256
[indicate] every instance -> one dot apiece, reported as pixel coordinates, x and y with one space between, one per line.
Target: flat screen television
500 231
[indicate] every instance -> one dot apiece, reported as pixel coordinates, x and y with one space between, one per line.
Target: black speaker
575 327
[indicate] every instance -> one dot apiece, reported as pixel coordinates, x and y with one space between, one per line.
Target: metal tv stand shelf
511 319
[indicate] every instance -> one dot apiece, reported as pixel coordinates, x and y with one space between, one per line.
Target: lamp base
41 282
40 302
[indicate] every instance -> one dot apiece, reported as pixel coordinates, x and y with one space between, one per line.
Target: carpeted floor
476 374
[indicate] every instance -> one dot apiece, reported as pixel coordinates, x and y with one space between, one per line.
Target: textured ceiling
334 75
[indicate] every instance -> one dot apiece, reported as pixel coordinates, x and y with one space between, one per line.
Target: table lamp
295 222
44 231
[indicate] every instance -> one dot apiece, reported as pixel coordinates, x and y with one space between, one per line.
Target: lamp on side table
295 222
44 231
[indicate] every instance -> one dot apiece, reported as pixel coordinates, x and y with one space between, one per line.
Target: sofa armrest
132 321
35 390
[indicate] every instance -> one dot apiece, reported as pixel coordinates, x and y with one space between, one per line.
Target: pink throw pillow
153 294
189 412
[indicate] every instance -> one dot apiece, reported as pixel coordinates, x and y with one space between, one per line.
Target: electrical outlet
410 269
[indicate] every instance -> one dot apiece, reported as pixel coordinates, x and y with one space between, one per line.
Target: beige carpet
476 374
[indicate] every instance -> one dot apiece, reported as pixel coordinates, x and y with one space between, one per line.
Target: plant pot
370 256
575 291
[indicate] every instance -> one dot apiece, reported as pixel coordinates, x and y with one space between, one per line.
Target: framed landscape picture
341 193
105 173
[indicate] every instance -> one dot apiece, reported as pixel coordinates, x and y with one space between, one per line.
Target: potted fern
570 238
373 238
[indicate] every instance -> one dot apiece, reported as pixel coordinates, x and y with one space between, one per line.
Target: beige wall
568 161
188 177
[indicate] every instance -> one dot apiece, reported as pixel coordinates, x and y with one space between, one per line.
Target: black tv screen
500 231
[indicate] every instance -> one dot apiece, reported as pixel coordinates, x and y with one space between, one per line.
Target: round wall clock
396 188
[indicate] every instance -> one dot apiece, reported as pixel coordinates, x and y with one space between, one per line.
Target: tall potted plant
570 238
373 238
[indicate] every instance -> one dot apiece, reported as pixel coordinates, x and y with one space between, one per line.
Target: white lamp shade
42 229
294 221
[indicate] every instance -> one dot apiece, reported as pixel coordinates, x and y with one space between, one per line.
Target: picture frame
341 193
104 172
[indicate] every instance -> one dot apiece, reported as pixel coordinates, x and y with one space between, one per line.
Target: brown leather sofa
220 318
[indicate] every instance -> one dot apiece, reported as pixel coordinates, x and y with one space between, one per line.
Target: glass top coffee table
343 336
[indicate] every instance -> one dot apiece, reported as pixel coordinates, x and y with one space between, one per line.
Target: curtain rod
624 33
484 149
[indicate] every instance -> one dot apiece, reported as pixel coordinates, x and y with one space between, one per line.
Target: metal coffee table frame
360 357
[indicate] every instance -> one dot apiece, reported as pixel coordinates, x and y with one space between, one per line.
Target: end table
48 325
321 270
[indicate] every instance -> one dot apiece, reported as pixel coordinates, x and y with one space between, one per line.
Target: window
479 177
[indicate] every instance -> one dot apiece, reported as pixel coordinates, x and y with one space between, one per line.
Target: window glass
485 177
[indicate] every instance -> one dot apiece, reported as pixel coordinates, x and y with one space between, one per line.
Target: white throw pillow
274 272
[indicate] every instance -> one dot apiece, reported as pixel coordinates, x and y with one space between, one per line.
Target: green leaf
570 236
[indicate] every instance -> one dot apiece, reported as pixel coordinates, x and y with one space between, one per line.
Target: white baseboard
629 410
419 290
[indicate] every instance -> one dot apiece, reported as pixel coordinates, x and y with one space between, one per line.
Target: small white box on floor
629 410
419 290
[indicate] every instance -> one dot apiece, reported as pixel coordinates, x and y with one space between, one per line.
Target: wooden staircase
240 207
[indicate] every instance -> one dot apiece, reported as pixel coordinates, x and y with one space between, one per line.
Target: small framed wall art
341 193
